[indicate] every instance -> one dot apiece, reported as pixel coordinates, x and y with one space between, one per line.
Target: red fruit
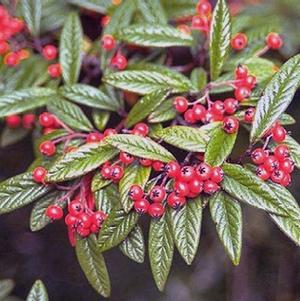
210 187
271 163
105 20
84 232
75 208
277 176
286 180
180 104
11 59
218 107
281 152
16 25
156 210
141 206
278 133
203 171
109 132
199 112
239 41
242 93
210 116
230 124
85 220
230 105
187 173
70 219
94 228
158 166
172 169
13 121
249 114
250 81
181 188
274 41
28 121
175 201
49 52
189 116
54 70
46 119
259 156
98 218
145 162
141 129
54 212
136 192
203 8
195 186
286 166
241 72
117 172
200 23
217 174
47 148
108 42
4 47
126 158
263 173
119 61
106 171
157 194
94 137
39 174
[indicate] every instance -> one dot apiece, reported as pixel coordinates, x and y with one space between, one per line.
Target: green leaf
220 35
107 198
99 6
38 218
145 106
286 119
186 228
89 96
152 11
134 246
38 292
245 186
179 8
32 12
261 68
100 119
294 148
70 49
19 191
6 286
80 161
161 249
145 82
154 35
10 136
227 215
276 98
134 174
219 147
24 100
164 112
184 137
140 147
70 114
116 228
199 78
93 265
99 182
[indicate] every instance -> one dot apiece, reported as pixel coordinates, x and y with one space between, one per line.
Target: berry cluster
202 20
27 121
50 53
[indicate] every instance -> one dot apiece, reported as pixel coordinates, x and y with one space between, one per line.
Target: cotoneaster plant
122 132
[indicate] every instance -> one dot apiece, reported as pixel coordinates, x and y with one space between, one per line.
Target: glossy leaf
179 8
164 112
294 148
199 78
38 292
32 12
152 11
107 198
94 5
99 182
100 119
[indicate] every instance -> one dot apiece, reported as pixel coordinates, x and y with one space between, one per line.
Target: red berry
230 124
239 41
106 171
157 194
70 219
141 129
241 72
109 132
136 192
274 41
119 61
75 208
108 42
141 206
145 162
259 156
210 187
203 171
281 152
13 121
4 47
230 105
189 116
54 70
286 180
11 59
218 107
126 158
98 218
181 188
242 93
47 148
156 210
277 176
250 81
278 133
94 228
39 174
28 121
203 8
85 220
263 173
181 104
286 166
195 186
117 172
158 166
217 174
210 116
199 112
271 163
105 20
54 212
84 232
175 201
249 114
94 137
187 173
172 169
49 52
200 23
46 119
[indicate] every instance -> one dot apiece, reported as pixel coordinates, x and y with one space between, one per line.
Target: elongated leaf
219 147
186 228
24 100
70 113
93 265
161 249
38 292
89 96
164 112
99 182
140 147
80 161
294 148
100 119
245 186
286 119
152 11
154 36
134 246
179 8
107 198
99 6
6 286
116 228
10 136
184 137
133 175
261 68
145 82
276 98
199 78
19 191
227 215
220 34
145 106
32 12
70 49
